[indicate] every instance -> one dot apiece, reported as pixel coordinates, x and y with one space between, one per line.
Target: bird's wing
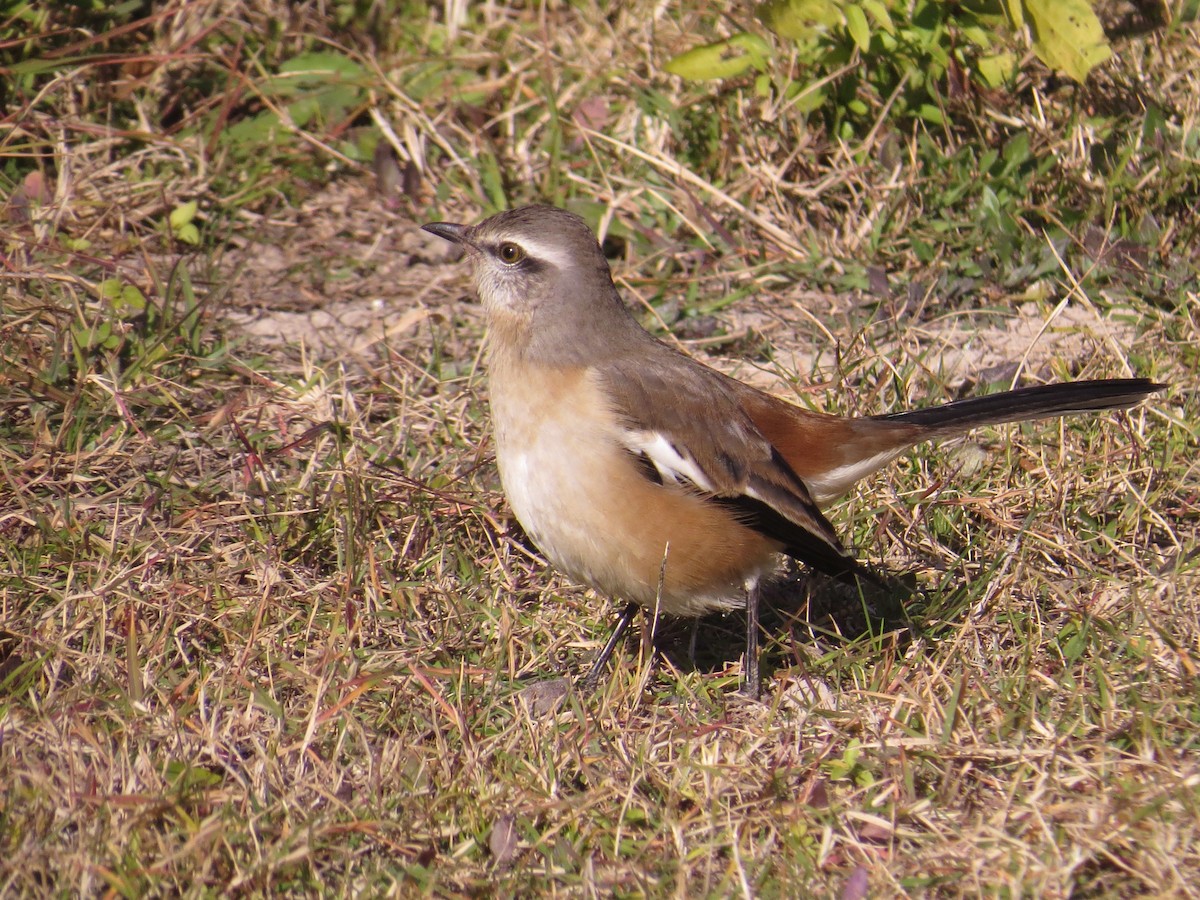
686 425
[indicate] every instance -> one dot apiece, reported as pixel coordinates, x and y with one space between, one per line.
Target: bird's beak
452 232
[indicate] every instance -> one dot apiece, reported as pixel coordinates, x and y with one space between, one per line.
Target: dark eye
510 253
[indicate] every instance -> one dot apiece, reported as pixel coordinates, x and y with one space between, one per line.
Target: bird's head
543 280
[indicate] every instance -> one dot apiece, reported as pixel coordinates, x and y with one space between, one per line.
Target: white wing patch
672 466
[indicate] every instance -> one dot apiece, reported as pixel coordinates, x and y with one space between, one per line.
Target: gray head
545 285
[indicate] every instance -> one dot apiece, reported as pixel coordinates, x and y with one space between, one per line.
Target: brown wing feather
829 453
700 412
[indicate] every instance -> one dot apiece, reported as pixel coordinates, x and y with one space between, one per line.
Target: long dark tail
1042 402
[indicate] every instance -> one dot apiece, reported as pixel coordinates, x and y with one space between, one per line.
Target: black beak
450 231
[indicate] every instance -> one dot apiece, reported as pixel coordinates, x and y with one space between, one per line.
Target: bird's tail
1041 402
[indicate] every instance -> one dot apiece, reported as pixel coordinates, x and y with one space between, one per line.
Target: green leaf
931 114
132 302
1017 152
96 336
839 769
856 25
1067 36
184 776
110 288
309 69
997 69
42 66
724 59
978 35
800 19
318 87
1075 644
880 13
188 234
126 300
183 214
806 98
182 222
989 203
259 130
304 110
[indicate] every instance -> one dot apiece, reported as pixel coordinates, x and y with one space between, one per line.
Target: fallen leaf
503 840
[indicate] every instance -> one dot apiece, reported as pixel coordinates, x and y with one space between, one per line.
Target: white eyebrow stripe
672 466
545 252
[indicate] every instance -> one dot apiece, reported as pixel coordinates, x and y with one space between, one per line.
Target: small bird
651 477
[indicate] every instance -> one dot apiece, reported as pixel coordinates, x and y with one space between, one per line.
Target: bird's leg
695 636
750 672
623 621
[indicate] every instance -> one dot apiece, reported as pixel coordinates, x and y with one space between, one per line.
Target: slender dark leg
623 622
750 673
692 642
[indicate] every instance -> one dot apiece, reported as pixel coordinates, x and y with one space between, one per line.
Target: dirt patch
957 347
344 275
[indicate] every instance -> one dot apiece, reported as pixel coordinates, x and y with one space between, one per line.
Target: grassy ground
265 626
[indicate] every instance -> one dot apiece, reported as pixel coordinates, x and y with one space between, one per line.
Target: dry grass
264 624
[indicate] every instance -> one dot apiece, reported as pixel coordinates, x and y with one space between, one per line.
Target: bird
652 478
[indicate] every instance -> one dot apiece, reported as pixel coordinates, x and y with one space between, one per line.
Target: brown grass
265 626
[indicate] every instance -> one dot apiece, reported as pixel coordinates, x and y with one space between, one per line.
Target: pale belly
588 507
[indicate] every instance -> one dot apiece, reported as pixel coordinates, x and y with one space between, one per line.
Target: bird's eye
510 254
